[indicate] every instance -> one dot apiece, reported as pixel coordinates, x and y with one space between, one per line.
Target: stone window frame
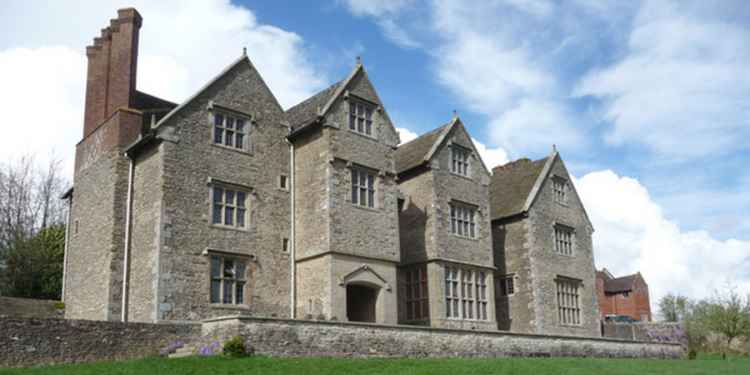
370 186
248 192
561 245
506 283
460 160
560 189
353 120
466 293
462 219
215 109
417 293
239 276
568 293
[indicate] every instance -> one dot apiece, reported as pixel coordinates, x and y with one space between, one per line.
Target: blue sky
646 100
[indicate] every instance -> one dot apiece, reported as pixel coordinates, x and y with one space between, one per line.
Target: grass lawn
313 366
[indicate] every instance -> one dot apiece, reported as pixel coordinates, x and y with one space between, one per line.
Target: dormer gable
451 137
351 104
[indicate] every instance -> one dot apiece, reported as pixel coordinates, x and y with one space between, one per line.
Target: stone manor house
228 204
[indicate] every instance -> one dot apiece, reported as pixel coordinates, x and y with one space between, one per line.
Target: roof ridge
436 130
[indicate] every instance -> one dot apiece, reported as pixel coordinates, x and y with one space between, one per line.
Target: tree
674 308
29 205
34 267
729 315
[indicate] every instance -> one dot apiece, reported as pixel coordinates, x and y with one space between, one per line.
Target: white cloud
183 44
492 157
494 71
385 13
406 135
632 234
685 72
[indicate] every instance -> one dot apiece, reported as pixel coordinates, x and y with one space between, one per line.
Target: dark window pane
370 181
241 217
216 217
239 140
360 125
368 127
228 285
218 119
240 293
218 194
215 267
240 125
229 138
218 132
229 216
371 198
240 199
215 291
229 123
352 122
230 197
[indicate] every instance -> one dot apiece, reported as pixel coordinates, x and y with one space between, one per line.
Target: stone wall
337 339
33 342
655 332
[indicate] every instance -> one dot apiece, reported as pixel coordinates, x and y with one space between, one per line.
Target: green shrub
60 305
235 347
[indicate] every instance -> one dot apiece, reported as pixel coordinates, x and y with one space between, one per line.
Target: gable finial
455 114
244 51
359 60
554 148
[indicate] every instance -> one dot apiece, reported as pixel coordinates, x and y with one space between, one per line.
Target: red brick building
627 295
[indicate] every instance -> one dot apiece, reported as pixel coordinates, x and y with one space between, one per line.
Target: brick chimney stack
112 63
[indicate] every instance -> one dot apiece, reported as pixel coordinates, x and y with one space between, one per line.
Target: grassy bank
314 366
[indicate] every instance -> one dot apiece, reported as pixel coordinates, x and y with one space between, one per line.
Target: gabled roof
417 151
421 150
512 185
307 112
620 284
232 66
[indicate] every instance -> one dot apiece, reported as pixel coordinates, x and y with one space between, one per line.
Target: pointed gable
242 61
309 112
511 185
421 150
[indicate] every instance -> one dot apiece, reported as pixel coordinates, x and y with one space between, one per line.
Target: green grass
313 366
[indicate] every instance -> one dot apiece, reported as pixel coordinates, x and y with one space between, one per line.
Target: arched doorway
360 303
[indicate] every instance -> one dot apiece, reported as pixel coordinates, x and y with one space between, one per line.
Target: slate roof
620 284
412 154
305 112
147 101
511 185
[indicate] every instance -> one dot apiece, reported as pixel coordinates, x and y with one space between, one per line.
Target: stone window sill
475 239
235 149
371 209
222 306
229 228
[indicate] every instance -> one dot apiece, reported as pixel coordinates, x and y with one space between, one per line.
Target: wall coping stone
404 327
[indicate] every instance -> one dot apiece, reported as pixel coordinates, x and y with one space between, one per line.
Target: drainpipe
126 252
292 247
65 247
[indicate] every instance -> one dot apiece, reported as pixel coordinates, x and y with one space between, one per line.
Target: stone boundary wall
648 331
31 342
279 337
29 308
